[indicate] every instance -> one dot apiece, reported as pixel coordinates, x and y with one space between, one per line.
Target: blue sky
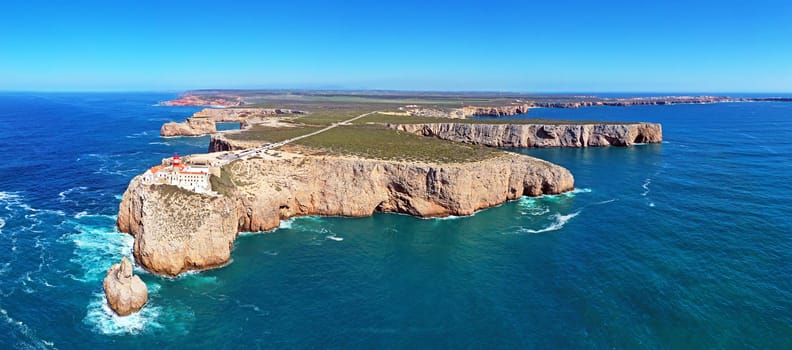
548 46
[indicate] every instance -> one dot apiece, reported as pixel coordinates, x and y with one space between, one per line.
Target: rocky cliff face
125 292
203 121
500 111
190 127
220 143
176 231
469 111
533 135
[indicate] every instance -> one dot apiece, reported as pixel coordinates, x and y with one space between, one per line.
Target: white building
193 178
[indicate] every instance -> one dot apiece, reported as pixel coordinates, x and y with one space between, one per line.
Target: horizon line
477 91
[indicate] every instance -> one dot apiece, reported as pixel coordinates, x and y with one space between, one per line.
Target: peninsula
299 154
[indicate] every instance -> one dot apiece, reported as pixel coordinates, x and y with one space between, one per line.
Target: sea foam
558 223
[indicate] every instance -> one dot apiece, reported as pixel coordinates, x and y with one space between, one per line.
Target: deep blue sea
681 245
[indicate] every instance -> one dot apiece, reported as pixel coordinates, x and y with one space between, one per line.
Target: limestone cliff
220 143
176 230
204 121
469 111
498 111
537 135
190 127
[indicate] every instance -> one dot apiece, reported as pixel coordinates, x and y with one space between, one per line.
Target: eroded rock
125 292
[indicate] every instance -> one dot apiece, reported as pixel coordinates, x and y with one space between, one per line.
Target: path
227 158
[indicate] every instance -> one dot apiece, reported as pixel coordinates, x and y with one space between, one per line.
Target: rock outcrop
221 143
190 127
189 99
176 230
537 135
496 111
469 111
125 292
204 121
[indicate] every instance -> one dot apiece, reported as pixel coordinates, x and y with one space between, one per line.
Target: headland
299 154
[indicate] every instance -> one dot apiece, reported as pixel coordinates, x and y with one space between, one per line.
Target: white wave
335 238
98 247
651 204
645 186
580 190
450 217
64 193
539 211
2 224
118 197
80 214
558 223
159 143
103 320
530 206
606 202
8 195
286 224
23 329
137 135
153 287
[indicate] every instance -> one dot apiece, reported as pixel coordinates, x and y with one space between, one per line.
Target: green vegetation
327 117
222 184
402 119
381 143
270 134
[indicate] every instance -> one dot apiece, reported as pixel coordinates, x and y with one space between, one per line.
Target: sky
524 46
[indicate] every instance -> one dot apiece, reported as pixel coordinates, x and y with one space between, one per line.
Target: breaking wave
97 247
103 320
558 223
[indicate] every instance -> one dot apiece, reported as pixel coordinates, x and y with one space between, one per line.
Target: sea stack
125 292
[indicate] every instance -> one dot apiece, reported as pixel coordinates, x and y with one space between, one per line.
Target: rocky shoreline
539 135
177 230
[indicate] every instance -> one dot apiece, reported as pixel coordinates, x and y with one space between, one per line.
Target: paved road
250 152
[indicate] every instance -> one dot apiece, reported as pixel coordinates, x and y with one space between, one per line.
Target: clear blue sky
548 46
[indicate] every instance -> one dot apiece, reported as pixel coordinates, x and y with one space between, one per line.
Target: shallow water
685 244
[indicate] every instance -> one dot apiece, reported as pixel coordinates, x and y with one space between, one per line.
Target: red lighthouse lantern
176 161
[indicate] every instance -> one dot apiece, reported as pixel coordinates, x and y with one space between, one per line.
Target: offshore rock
125 292
539 135
176 230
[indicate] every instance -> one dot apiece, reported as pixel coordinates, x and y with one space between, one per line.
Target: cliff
189 99
535 135
499 111
220 143
190 127
204 122
469 111
177 230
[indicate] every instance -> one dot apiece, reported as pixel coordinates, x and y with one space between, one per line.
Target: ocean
681 245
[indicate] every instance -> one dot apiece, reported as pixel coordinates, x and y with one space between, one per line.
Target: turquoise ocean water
685 245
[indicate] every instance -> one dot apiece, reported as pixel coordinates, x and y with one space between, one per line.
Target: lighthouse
176 161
